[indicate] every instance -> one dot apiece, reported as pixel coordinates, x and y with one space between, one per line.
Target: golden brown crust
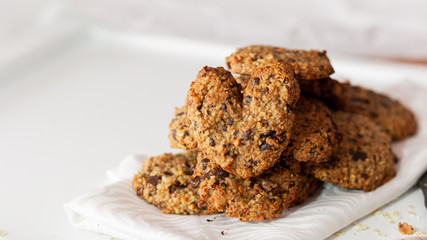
244 133
363 160
260 198
179 131
307 64
164 182
313 133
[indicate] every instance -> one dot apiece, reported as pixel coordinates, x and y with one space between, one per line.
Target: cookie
329 90
263 197
307 64
313 133
179 131
363 159
391 115
396 119
164 182
243 132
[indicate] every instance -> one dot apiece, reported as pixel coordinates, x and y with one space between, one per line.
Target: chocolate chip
224 107
255 81
265 146
248 99
188 171
386 101
204 75
246 134
219 173
230 122
228 65
174 134
358 155
373 115
211 142
204 163
252 162
154 179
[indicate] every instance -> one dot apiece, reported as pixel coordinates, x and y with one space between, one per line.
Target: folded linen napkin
115 209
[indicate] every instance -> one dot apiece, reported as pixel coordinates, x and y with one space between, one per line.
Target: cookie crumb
210 220
110 238
339 233
411 207
396 215
420 234
3 233
412 213
405 228
392 222
223 232
377 212
354 223
379 233
387 215
360 227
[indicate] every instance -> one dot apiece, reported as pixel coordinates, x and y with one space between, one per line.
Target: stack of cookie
260 141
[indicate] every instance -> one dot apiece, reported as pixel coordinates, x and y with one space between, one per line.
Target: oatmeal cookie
313 133
363 160
164 182
307 64
391 115
396 119
179 131
243 132
263 197
329 90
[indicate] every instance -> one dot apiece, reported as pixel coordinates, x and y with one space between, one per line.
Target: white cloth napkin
116 210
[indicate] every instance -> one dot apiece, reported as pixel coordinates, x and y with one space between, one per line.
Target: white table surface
64 115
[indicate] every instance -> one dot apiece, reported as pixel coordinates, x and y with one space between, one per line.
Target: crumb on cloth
405 228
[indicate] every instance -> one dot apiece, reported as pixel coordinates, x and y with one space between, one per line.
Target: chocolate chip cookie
396 119
243 131
313 133
164 182
329 90
391 115
363 160
307 64
260 198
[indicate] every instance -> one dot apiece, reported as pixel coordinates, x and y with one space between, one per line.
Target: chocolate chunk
154 179
246 134
265 146
224 107
358 155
